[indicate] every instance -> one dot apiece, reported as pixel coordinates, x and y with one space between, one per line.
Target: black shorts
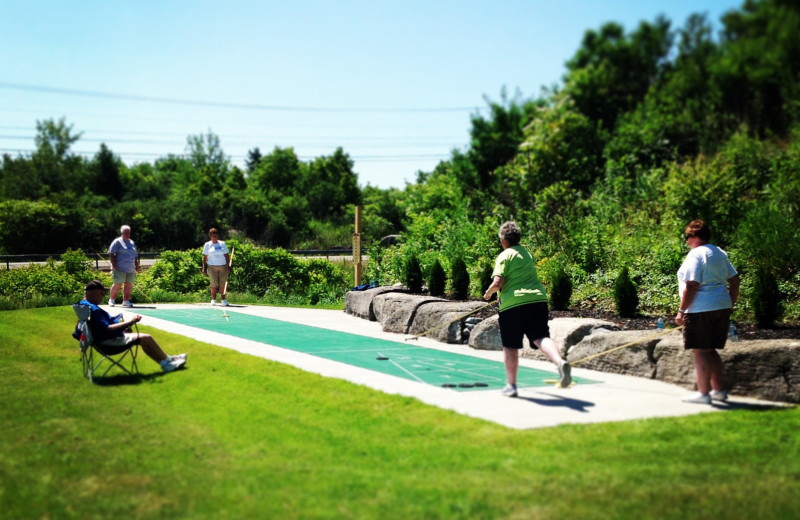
525 320
706 330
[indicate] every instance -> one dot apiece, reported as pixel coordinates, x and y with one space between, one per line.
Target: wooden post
357 246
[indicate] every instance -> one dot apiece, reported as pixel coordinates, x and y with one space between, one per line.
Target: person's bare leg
114 291
717 376
512 364
151 348
550 349
126 292
703 367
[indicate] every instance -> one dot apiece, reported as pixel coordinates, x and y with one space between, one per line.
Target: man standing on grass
124 266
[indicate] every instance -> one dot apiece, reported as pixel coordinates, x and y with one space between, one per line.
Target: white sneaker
697 398
225 303
213 302
719 395
127 303
177 356
510 391
564 375
111 303
168 365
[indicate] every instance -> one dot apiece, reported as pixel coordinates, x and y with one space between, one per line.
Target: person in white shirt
124 266
709 287
217 264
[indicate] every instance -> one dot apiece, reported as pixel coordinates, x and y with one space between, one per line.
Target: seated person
112 335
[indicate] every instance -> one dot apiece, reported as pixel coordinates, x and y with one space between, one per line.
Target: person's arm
205 263
733 288
497 284
686 299
113 258
125 324
228 261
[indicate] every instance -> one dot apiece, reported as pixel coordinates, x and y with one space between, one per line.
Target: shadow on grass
753 407
125 379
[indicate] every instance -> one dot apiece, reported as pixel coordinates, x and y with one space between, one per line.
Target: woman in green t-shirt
523 307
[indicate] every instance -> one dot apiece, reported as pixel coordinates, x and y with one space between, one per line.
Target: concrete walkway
614 398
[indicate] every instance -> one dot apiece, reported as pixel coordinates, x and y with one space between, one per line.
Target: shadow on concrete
557 400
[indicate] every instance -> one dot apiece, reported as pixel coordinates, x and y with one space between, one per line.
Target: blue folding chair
92 356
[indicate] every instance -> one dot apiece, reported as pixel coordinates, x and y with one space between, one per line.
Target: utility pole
357 246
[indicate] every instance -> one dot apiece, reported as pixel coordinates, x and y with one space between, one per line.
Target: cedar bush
765 299
460 278
437 279
560 289
626 297
413 274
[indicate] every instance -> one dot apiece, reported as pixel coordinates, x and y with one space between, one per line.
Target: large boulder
762 369
446 317
566 332
396 311
628 352
359 303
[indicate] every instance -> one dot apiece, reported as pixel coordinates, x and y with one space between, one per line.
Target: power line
216 104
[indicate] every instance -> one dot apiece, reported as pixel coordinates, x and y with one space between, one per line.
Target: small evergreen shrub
413 274
765 299
560 289
626 297
460 278
437 279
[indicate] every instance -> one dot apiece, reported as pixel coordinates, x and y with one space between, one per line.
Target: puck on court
381 358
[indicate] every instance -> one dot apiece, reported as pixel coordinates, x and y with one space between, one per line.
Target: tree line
648 129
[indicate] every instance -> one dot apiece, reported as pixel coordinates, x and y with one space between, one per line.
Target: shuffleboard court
434 367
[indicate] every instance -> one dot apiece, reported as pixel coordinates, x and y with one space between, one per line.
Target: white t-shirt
216 252
708 265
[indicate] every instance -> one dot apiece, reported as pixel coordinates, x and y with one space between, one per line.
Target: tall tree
105 174
611 72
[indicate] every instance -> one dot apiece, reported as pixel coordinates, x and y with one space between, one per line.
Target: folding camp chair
125 361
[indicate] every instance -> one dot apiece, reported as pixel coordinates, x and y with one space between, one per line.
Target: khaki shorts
118 345
217 275
706 330
119 277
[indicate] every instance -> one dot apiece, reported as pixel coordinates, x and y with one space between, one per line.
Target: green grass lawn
235 436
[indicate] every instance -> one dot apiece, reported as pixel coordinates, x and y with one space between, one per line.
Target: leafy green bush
437 279
626 297
460 277
177 271
486 280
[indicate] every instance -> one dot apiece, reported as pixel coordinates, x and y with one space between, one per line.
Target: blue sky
392 83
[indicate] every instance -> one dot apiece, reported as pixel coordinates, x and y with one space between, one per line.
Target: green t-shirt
521 283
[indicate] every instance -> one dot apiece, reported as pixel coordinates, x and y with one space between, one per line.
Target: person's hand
679 318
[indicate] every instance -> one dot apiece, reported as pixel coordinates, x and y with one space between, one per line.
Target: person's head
511 233
213 233
95 291
698 229
125 231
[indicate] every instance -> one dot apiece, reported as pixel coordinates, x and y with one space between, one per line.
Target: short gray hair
124 229
510 232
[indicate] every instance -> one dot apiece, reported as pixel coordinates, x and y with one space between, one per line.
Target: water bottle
732 334
660 324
